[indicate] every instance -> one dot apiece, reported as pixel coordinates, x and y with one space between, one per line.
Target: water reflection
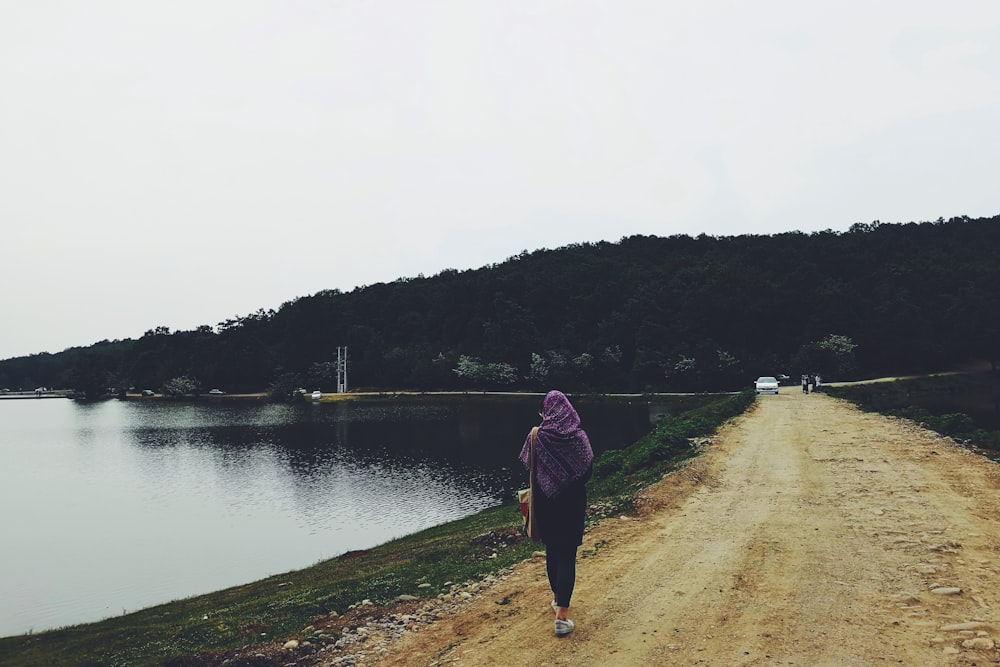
123 505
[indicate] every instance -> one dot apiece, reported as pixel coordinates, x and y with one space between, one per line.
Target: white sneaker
563 628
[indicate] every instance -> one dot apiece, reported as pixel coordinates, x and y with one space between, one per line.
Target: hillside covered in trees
644 314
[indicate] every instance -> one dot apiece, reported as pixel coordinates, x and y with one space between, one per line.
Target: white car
317 395
766 385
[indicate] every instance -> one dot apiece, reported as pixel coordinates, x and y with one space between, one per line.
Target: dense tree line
645 313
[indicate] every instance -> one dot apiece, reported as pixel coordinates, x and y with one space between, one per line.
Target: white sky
179 163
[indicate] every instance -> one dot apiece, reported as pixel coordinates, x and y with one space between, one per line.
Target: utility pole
341 369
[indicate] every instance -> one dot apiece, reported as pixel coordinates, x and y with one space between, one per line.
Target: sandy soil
809 533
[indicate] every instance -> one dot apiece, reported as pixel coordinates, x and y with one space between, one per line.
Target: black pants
560 564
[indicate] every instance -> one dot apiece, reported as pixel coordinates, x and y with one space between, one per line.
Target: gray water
111 507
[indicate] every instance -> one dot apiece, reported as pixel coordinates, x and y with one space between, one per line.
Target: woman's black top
561 519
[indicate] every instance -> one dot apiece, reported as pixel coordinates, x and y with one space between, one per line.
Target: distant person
805 383
817 382
563 464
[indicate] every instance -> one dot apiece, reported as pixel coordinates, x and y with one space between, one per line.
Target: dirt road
809 534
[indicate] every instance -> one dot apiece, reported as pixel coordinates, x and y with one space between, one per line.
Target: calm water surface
115 506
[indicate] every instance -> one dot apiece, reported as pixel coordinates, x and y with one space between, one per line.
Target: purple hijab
562 453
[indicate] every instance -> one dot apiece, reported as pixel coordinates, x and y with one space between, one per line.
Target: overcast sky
180 163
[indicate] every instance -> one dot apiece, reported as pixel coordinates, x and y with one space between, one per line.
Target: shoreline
313 604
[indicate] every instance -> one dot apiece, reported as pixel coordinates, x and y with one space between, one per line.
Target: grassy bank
962 406
419 565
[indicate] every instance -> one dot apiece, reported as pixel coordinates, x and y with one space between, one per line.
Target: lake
115 506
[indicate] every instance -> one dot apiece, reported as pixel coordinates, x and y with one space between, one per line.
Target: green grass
961 406
281 606
620 473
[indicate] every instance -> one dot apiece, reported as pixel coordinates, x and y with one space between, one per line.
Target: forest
644 314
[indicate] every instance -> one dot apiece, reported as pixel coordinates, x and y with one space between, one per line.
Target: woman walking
563 464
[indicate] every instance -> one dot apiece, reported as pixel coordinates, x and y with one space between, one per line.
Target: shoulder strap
534 440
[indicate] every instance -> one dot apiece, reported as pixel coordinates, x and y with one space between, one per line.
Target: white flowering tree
181 386
476 371
832 356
